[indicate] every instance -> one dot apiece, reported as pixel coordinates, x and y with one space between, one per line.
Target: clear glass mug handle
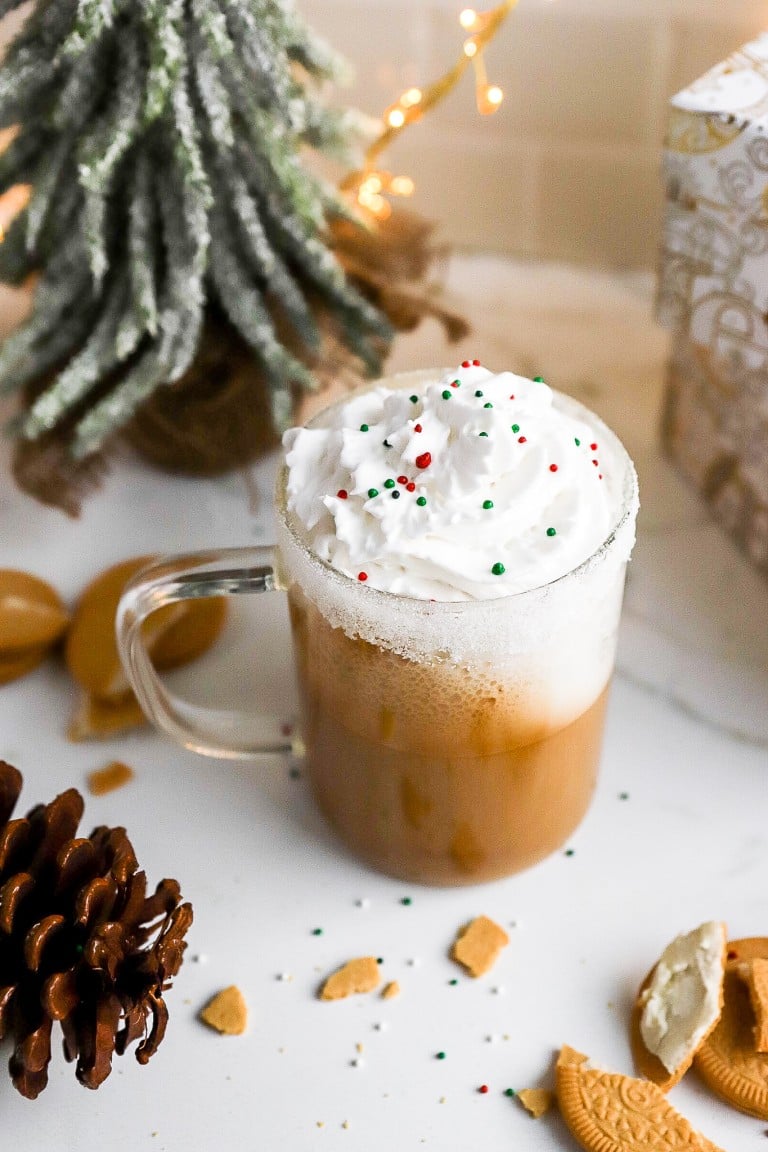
228 572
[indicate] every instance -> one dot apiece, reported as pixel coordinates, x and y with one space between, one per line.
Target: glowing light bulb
402 186
396 118
470 48
468 18
489 97
411 98
494 95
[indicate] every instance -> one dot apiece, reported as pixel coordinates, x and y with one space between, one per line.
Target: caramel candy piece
608 1112
478 945
226 1012
101 719
360 975
14 667
537 1101
107 779
174 635
728 1061
32 614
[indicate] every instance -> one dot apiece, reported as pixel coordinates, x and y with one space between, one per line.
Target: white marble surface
687 741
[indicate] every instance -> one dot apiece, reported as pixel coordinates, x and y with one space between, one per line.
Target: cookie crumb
109 778
478 945
390 990
536 1101
345 1124
354 977
226 1012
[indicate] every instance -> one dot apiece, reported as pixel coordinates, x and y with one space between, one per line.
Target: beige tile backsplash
569 167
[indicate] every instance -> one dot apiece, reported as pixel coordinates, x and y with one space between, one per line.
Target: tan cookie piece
685 987
536 1101
32 614
755 975
174 635
107 779
727 1061
100 719
609 1112
390 991
226 1012
478 945
360 975
14 667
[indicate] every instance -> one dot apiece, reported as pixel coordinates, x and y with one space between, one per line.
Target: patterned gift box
713 291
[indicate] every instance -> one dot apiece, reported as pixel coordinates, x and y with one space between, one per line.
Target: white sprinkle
285 977
358 1062
363 902
498 990
491 1039
200 958
345 1124
442 1099
413 962
515 923
380 1026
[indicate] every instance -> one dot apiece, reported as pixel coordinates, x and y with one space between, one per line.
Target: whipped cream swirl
467 487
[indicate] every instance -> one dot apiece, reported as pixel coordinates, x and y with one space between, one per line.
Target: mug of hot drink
453 546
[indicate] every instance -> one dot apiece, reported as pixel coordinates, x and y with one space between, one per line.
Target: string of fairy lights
370 185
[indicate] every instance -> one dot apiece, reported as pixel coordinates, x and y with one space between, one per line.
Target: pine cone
80 941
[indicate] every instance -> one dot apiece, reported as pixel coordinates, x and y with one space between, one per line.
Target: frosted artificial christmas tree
162 140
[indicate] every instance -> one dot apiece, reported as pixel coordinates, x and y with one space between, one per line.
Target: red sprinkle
553 467
402 479
410 487
417 428
466 364
521 439
593 447
595 463
512 396
455 383
476 363
342 494
483 1088
362 576
600 476
424 460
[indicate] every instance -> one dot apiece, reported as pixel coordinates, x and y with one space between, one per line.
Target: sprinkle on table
551 531
418 428
317 931
483 1089
570 852
498 569
538 379
453 982
407 901
363 427
439 1055
515 427
577 442
488 405
623 795
421 501
521 440
446 394
510 1092
553 467
487 504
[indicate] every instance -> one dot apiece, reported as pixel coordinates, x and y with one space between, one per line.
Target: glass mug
446 743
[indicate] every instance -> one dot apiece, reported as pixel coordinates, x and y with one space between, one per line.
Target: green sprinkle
515 427
446 394
421 501
317 931
389 483
457 383
487 504
488 405
407 901
453 982
478 393
498 569
623 795
570 852
414 399
577 442
79 949
440 1055
482 434
379 959
538 379
510 1092
372 492
363 427
551 531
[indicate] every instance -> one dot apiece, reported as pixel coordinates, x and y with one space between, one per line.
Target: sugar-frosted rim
629 501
